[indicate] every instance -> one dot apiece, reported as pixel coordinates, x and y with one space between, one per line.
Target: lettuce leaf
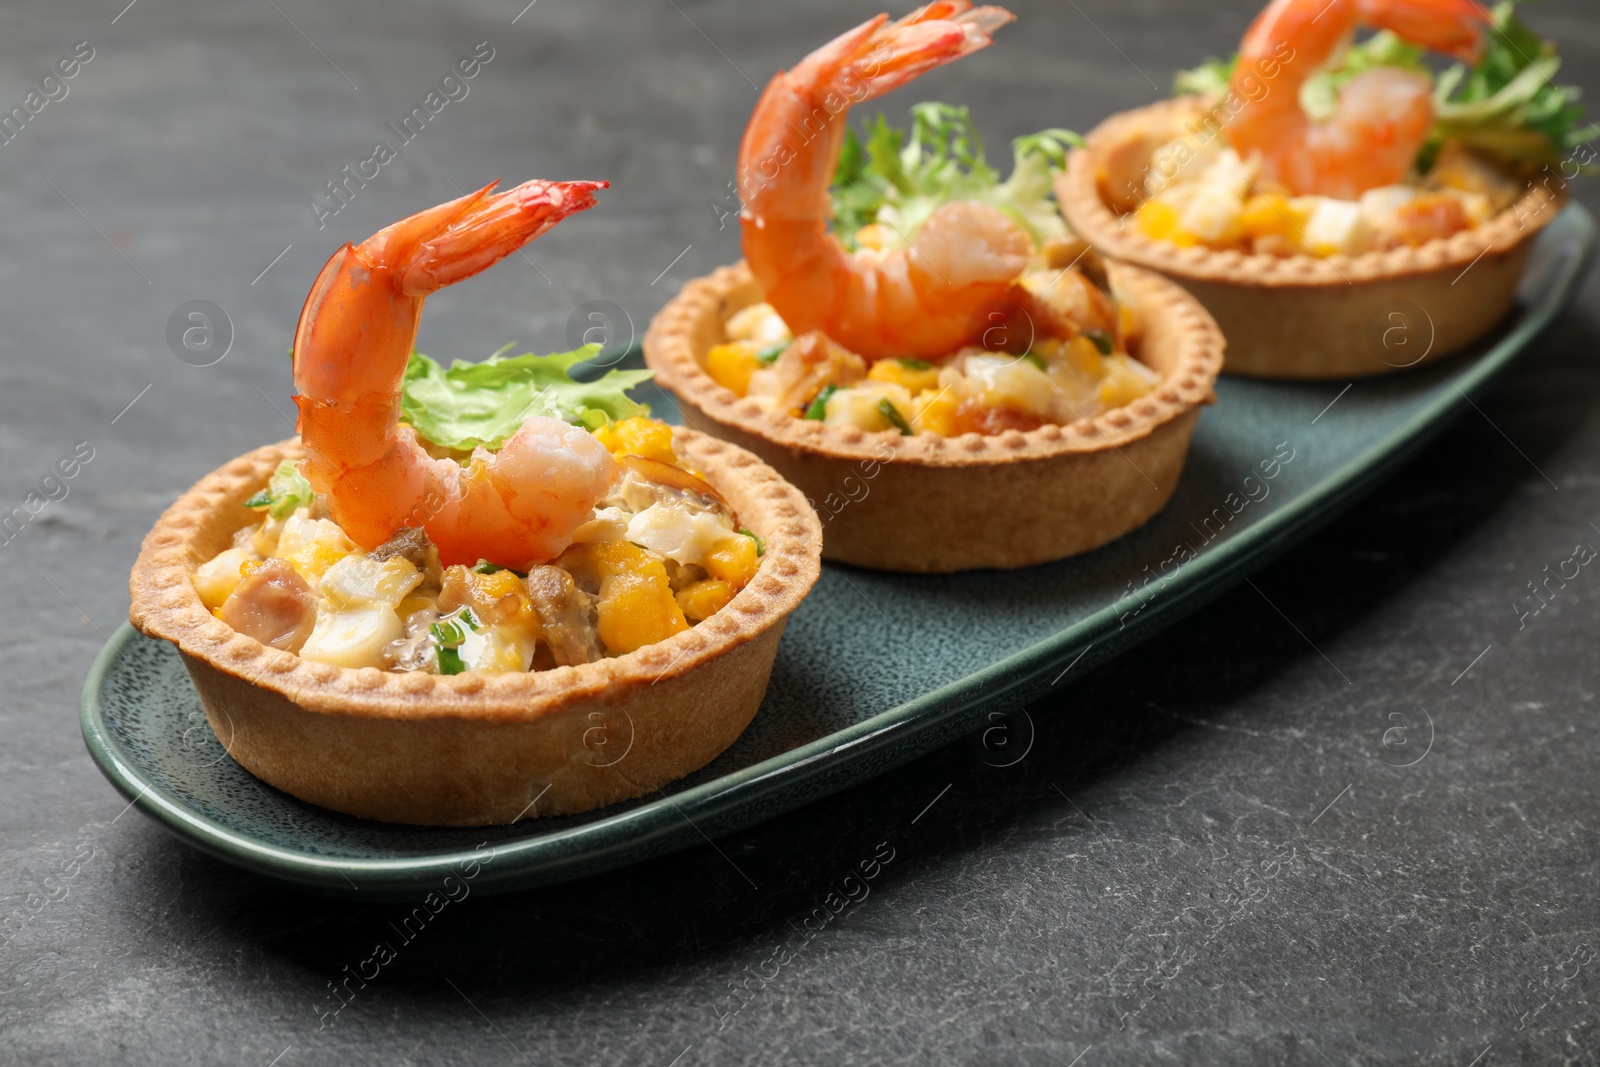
286 490
482 404
896 179
1506 105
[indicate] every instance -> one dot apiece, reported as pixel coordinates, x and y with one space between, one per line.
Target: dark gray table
1209 856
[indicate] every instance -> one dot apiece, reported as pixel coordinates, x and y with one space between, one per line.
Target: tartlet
1303 316
473 748
925 503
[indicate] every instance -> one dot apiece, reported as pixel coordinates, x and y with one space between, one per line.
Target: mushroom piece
274 605
411 543
567 615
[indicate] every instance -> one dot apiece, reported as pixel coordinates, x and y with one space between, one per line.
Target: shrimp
1383 115
923 301
355 336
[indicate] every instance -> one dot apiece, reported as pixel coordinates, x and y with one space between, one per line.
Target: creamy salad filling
1057 352
663 551
1498 126
1215 199
1058 379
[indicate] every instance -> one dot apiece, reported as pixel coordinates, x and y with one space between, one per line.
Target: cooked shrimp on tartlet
1339 208
918 342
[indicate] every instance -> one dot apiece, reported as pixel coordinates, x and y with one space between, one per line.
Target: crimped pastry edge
166 605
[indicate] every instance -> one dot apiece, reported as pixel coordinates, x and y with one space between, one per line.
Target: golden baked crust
1305 316
475 749
933 504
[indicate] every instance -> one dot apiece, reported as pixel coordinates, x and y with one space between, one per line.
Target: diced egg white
301 532
608 524
216 579
759 324
353 637
684 535
1336 226
360 581
1213 212
858 405
1379 205
497 648
1180 161
1011 381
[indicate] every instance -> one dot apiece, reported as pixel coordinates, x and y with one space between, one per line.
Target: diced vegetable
703 599
734 561
897 420
818 408
286 490
731 365
650 438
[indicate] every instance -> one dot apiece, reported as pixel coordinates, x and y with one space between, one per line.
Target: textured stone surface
1209 855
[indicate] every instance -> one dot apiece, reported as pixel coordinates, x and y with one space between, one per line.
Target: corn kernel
731 365
914 379
733 561
703 599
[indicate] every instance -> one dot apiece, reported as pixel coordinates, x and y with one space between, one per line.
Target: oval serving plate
875 669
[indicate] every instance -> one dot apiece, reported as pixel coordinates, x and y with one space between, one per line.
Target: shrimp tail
1451 27
886 55
357 331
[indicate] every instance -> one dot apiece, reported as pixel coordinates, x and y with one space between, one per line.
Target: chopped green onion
449 633
915 364
818 408
260 500
897 420
1035 359
483 566
1102 340
761 545
450 661
771 353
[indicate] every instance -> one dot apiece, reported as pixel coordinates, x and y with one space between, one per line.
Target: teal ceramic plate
874 669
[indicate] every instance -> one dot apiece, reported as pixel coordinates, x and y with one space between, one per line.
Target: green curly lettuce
482 404
898 180
1506 105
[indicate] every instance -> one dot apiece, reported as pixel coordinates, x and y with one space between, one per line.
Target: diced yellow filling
703 599
731 365
912 375
1159 221
636 607
650 438
733 561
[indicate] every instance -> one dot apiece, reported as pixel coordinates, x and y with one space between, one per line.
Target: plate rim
614 840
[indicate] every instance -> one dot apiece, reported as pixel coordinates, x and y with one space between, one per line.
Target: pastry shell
926 503
1304 316
476 749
